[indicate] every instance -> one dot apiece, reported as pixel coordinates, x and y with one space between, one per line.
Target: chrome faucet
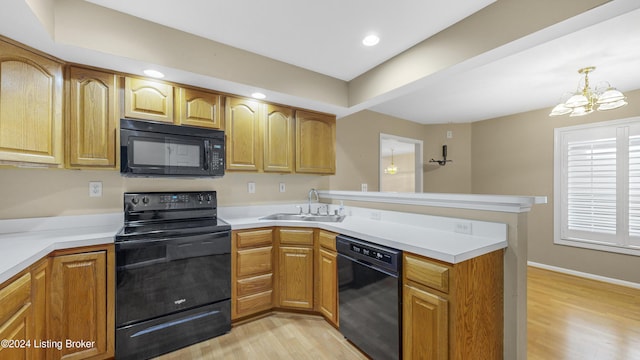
312 192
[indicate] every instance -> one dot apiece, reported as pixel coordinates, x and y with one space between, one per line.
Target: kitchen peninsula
494 222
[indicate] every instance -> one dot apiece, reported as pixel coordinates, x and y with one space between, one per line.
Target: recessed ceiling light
370 40
154 73
258 95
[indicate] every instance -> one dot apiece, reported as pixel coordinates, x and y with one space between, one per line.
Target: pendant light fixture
391 169
585 100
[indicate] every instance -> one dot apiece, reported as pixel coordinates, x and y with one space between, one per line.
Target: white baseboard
585 275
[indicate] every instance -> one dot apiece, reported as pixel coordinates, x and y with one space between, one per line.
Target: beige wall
357 149
514 155
455 177
55 192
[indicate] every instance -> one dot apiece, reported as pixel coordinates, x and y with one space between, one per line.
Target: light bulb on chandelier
391 169
585 100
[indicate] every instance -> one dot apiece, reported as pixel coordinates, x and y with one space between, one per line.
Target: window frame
624 243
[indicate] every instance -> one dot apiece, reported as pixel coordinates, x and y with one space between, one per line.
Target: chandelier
391 169
585 100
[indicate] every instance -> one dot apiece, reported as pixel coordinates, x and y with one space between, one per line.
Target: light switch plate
251 187
282 187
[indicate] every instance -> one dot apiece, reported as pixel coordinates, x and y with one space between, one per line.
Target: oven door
161 276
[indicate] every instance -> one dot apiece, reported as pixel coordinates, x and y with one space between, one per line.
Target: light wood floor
280 336
569 318
572 318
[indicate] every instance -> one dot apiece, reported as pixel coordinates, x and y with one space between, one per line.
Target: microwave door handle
207 155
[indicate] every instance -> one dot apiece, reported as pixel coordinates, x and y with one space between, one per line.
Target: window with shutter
597 186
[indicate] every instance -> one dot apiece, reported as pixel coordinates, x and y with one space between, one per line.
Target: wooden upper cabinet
30 107
93 119
242 128
199 108
315 143
278 140
148 100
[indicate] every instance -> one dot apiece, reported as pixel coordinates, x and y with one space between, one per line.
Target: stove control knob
200 197
145 200
135 201
209 198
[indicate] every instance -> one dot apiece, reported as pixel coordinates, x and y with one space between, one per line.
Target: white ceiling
322 36
527 74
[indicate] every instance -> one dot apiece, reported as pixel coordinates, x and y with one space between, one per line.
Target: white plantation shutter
597 186
634 189
591 186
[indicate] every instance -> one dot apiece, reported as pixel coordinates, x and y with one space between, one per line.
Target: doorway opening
400 164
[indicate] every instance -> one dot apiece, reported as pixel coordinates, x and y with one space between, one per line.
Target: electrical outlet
462 227
95 188
282 188
251 187
363 187
449 134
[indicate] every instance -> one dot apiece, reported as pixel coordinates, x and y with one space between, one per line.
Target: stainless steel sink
304 217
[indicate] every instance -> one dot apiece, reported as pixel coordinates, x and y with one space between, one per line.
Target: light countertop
431 236
25 241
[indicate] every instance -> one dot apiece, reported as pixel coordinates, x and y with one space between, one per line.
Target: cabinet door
295 269
39 302
315 143
278 140
30 107
425 327
78 304
199 108
148 100
17 331
93 118
328 279
15 318
242 127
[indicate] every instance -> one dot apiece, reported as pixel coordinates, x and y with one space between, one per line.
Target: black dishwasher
370 296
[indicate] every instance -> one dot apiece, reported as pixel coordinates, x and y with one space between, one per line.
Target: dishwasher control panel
372 253
369 253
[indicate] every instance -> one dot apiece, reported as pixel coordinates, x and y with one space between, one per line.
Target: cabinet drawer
327 240
427 273
254 238
14 296
296 236
254 285
254 261
254 303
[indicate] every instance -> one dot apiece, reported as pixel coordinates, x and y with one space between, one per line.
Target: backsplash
27 193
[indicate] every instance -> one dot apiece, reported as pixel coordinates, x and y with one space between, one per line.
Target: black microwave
162 150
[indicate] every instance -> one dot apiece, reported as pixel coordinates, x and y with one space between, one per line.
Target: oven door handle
201 245
134 244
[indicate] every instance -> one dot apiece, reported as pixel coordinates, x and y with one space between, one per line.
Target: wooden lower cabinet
81 307
425 328
16 314
453 311
252 272
328 282
327 276
295 269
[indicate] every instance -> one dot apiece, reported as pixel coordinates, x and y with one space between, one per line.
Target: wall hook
444 160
